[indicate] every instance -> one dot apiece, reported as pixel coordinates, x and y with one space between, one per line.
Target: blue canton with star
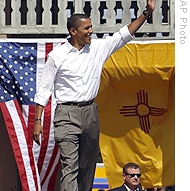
18 63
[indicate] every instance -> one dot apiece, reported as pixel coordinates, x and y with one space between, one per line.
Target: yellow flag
136 107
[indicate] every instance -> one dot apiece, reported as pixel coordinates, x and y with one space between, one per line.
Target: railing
47 17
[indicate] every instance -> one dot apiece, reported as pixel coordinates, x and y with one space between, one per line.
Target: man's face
131 177
83 32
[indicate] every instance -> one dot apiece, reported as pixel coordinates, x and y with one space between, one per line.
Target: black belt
79 104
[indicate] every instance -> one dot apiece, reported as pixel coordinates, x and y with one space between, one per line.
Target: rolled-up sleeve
45 86
124 31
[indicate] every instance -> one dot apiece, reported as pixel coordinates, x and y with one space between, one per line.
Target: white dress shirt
74 75
128 189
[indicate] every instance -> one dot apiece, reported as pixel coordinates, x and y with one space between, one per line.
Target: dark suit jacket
123 188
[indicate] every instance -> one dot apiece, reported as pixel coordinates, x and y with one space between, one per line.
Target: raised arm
136 24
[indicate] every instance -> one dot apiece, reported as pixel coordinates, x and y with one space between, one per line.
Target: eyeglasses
133 175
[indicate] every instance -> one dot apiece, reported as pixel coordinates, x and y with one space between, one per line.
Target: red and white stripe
37 165
46 155
22 148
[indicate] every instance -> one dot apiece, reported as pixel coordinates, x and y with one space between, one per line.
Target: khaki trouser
77 135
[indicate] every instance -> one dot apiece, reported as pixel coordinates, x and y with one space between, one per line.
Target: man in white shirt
72 72
131 177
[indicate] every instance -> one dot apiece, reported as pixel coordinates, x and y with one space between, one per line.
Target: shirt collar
71 48
128 189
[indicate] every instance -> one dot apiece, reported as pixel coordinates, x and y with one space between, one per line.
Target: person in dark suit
131 177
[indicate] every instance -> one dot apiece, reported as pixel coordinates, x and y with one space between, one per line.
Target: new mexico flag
136 107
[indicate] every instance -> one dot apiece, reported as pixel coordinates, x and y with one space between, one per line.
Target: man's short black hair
74 20
130 165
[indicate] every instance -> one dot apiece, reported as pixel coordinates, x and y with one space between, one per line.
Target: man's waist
79 104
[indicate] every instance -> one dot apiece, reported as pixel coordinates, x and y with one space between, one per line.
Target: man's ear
124 177
72 31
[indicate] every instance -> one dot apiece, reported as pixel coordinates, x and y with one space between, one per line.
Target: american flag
21 66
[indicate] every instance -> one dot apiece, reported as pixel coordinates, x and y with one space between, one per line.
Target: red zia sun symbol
142 110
